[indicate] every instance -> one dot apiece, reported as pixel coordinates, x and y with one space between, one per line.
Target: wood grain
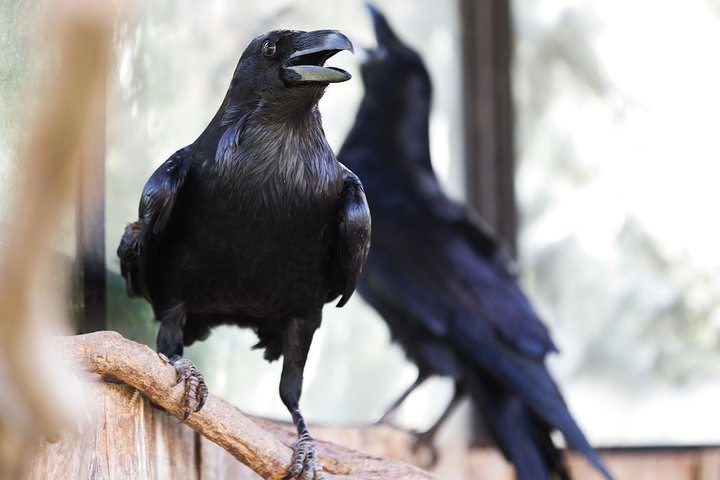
261 444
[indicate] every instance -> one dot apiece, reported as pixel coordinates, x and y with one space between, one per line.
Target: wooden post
488 117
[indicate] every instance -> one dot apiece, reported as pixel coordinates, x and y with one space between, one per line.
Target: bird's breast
258 240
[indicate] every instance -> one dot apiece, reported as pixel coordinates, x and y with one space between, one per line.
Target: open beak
307 64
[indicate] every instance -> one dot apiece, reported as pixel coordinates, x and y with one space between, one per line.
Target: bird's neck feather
270 147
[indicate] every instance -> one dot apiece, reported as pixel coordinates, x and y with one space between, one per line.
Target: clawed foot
424 441
305 465
196 391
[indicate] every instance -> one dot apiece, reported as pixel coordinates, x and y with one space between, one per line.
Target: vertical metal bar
489 147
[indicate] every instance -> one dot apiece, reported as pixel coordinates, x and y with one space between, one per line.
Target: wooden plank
124 437
709 464
127 438
642 464
636 464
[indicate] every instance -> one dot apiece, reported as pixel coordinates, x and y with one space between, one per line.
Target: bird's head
282 65
393 70
394 114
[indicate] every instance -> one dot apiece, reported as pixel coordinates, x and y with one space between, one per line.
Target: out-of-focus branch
263 446
49 163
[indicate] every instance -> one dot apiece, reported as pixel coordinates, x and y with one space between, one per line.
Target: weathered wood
697 463
123 437
645 464
108 353
127 438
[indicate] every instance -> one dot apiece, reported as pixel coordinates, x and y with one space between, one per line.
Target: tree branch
262 446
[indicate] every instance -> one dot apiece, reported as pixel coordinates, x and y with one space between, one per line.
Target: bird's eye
269 48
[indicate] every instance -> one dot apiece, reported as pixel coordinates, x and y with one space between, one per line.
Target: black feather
255 223
440 278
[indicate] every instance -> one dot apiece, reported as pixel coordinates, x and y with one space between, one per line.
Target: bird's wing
156 207
485 274
401 293
420 295
353 237
162 191
484 240
487 289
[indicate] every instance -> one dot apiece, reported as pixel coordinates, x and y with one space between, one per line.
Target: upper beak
306 64
384 34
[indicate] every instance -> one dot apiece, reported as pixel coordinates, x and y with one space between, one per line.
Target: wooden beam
488 116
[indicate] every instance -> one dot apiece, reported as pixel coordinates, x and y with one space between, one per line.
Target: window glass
24 62
15 76
618 109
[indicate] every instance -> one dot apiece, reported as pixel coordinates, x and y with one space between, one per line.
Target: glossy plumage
255 223
442 281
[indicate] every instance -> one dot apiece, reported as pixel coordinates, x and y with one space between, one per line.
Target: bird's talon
203 396
304 461
196 391
294 471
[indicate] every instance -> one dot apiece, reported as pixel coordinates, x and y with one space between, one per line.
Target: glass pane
172 67
23 66
618 108
15 74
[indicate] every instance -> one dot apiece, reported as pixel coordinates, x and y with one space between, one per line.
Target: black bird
255 223
441 280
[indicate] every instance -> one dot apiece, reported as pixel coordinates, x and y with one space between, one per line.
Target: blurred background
613 122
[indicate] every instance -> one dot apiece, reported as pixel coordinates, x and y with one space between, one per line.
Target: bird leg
422 376
170 349
296 345
304 463
426 439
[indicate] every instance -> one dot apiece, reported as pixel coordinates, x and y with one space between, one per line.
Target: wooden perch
264 449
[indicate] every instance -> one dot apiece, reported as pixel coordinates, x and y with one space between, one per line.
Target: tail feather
522 437
529 381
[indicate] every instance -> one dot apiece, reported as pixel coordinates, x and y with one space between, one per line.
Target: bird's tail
528 381
523 438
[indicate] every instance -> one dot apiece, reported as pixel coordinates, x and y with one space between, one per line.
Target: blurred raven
255 224
440 279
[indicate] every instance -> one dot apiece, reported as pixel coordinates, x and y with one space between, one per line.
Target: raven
255 223
441 279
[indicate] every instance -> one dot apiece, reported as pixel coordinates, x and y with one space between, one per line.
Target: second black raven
440 279
255 223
